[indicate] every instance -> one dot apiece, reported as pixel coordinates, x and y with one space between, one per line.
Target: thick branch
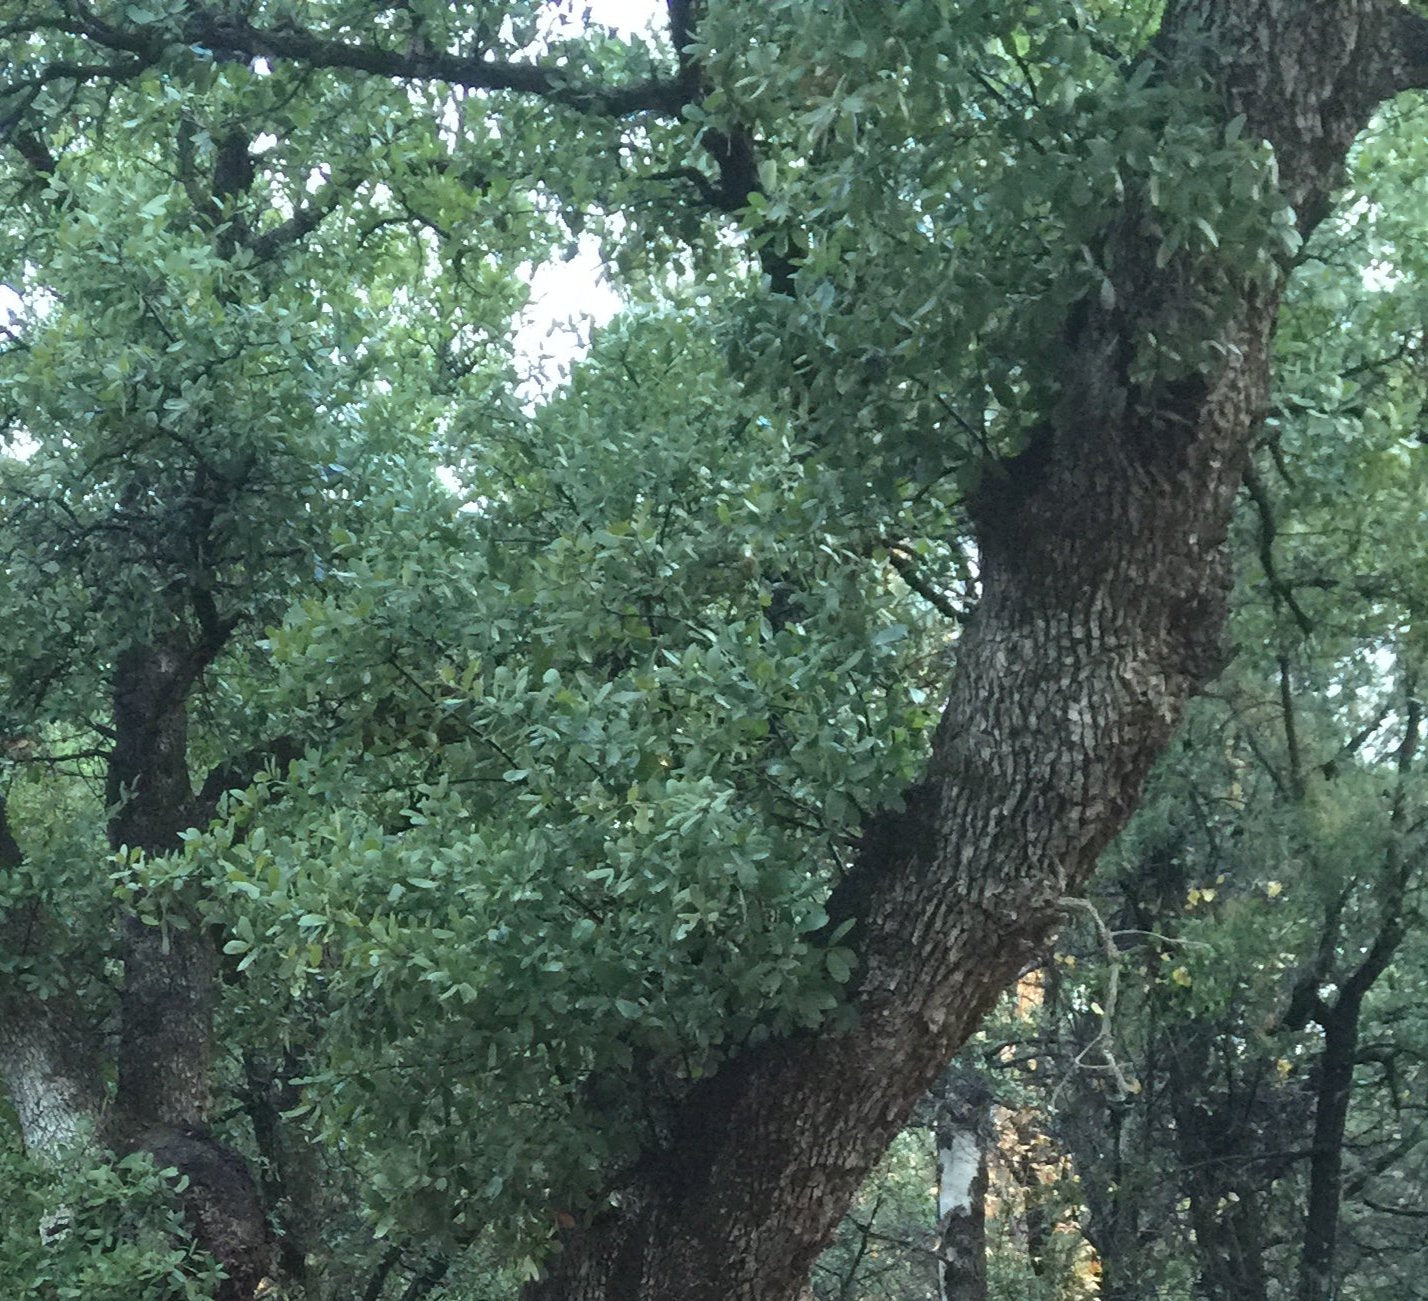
289 42
1412 52
1104 581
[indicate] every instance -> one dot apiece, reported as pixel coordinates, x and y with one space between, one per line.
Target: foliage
87 1231
532 734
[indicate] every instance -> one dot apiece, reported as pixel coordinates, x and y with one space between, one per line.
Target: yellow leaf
1180 976
1274 889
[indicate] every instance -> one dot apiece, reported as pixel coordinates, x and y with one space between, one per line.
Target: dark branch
1267 532
1411 53
302 223
296 44
238 772
11 856
911 573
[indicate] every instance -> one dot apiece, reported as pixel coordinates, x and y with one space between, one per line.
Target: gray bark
49 1064
50 1074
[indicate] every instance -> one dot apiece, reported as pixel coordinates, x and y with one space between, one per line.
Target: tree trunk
50 1072
49 1058
170 972
1216 1141
1340 1021
49 1054
1317 1274
962 1126
1103 602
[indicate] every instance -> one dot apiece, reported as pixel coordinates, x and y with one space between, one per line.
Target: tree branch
289 42
1412 51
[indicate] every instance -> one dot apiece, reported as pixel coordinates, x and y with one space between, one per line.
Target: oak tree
528 819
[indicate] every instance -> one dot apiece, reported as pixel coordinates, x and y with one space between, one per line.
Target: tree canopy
461 837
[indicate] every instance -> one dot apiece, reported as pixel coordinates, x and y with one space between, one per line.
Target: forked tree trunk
1104 582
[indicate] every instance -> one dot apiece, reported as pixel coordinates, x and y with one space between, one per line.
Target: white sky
630 16
570 298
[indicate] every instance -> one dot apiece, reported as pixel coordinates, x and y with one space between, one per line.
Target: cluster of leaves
89 1230
658 686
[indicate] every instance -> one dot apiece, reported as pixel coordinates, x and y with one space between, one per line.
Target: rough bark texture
1103 601
49 1061
50 1073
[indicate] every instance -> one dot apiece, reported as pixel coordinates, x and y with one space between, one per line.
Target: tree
1273 868
256 327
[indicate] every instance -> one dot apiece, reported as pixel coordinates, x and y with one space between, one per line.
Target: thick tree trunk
1103 602
50 1072
49 1060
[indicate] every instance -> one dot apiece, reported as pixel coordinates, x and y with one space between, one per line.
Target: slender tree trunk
1213 1140
1103 602
170 972
1318 1275
1027 1172
963 1130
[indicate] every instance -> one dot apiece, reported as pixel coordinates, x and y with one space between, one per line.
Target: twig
1105 1036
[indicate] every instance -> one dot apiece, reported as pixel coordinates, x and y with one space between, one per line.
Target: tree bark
49 1059
1104 579
50 1072
962 1127
170 971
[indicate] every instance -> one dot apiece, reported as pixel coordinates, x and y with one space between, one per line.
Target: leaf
840 964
